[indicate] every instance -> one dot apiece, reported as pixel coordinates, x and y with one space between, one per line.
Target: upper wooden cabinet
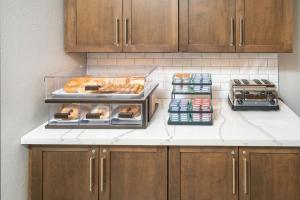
93 25
150 26
264 25
121 25
236 25
269 174
207 25
197 25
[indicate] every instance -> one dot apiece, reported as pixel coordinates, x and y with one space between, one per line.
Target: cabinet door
203 173
207 25
133 173
63 173
150 26
264 25
93 25
269 174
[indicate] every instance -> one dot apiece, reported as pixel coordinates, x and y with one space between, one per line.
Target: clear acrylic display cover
100 81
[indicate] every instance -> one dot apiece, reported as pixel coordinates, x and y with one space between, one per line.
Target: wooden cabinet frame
243 173
37 170
230 154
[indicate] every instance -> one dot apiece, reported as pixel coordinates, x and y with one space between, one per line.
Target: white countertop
231 128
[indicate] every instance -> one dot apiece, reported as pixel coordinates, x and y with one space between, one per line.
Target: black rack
184 111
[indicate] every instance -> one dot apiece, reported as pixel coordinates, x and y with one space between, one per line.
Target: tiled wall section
222 66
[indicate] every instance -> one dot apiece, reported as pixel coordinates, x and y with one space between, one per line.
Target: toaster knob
272 102
240 101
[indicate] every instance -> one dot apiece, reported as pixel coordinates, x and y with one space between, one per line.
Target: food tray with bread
127 114
89 99
100 81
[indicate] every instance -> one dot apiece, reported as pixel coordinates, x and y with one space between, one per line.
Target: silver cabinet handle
232 31
241 31
126 31
117 32
102 174
91 174
245 176
233 175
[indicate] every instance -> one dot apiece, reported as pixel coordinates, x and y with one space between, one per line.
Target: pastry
104 85
74 84
129 111
99 112
68 112
183 75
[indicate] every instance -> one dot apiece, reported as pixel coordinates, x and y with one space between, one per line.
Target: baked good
104 85
99 112
68 112
183 75
129 111
74 84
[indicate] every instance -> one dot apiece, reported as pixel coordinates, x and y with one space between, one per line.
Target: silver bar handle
117 32
91 174
126 31
232 31
102 174
245 176
233 175
241 31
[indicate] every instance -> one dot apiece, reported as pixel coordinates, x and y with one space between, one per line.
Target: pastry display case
115 98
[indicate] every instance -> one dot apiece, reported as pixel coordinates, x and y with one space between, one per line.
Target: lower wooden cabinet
203 173
133 173
85 173
269 174
163 173
63 173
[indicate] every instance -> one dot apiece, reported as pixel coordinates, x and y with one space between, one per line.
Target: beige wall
31 47
289 69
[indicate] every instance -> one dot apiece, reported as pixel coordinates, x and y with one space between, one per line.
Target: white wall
289 68
31 47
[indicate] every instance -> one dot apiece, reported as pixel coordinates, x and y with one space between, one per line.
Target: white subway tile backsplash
230 55
97 55
163 61
222 66
220 62
144 61
258 62
116 55
239 62
125 61
201 62
107 61
154 55
272 62
181 62
211 55
135 55
92 61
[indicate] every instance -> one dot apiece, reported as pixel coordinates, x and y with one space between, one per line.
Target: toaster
257 94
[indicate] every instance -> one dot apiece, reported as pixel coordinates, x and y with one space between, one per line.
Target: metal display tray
191 80
209 123
192 111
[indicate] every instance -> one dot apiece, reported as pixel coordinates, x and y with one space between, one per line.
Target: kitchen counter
231 128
